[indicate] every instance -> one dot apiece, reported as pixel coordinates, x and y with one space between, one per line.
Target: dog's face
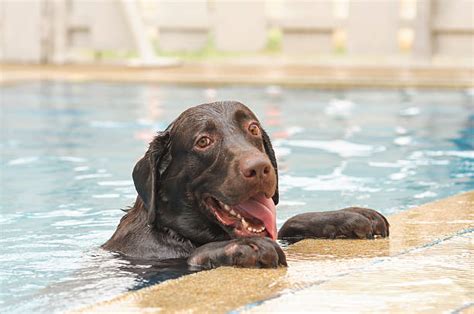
211 175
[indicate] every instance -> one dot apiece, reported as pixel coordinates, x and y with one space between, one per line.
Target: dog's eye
204 142
254 129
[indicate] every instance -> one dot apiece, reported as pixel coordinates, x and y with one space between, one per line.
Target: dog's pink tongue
263 209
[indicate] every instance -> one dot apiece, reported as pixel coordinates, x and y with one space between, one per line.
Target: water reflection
105 273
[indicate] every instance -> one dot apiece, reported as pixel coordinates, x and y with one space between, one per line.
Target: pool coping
419 230
310 75
362 286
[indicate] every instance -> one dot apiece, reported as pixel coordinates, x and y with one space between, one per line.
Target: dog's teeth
233 213
226 207
238 216
247 226
256 230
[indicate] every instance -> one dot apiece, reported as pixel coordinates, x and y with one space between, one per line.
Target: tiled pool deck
256 72
425 266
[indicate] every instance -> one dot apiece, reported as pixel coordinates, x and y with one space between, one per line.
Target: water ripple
339 147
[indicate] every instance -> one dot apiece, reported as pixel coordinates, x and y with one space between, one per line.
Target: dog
207 192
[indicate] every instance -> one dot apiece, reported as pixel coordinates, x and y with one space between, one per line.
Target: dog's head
211 175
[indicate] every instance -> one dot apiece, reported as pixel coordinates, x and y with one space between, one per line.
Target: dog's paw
380 225
252 252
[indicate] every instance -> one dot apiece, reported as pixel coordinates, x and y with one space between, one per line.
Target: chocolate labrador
207 191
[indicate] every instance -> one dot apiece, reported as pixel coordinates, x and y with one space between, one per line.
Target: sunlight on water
68 151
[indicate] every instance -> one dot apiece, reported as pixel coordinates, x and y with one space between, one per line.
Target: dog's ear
271 154
148 170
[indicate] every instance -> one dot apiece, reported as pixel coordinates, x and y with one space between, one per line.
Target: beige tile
255 72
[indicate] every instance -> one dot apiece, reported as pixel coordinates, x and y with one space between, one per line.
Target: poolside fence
76 31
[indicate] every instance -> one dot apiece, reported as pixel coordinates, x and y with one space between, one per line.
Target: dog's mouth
253 217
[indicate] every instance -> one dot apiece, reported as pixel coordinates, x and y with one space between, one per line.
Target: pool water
68 150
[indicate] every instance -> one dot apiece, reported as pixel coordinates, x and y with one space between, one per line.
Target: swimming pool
68 150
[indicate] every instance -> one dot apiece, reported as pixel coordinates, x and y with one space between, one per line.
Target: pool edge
282 74
423 226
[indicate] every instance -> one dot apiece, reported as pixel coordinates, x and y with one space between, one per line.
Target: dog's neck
135 236
188 220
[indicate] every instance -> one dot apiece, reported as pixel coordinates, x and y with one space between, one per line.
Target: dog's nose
255 168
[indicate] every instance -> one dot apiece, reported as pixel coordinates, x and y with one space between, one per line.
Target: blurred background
161 32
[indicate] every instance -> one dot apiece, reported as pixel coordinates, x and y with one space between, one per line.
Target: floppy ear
147 173
271 154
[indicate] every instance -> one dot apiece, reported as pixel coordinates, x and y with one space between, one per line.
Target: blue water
68 150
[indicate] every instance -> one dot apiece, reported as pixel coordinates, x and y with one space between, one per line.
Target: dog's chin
256 216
